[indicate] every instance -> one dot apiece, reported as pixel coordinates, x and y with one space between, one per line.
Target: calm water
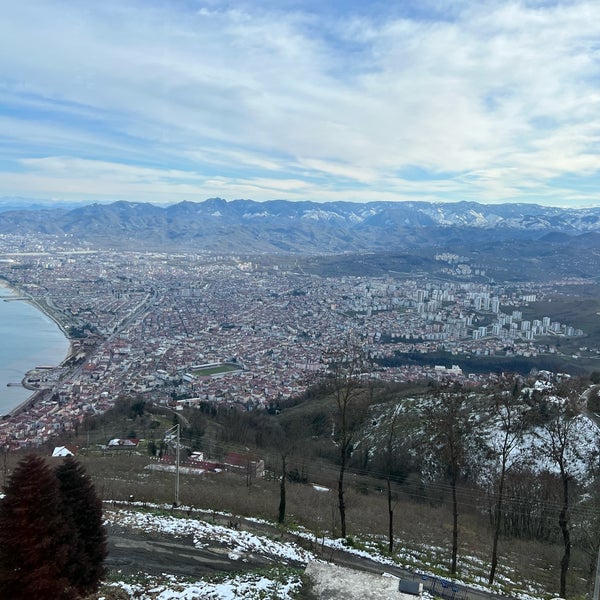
28 338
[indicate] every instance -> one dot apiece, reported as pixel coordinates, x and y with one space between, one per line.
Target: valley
249 354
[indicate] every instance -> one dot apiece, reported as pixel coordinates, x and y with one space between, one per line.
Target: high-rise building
495 304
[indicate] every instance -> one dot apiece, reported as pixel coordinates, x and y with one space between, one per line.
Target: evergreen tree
83 508
35 535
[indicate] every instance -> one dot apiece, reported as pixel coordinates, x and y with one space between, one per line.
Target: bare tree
389 462
281 513
346 374
503 449
556 446
447 431
561 439
283 446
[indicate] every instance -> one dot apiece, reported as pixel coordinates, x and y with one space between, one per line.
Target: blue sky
170 100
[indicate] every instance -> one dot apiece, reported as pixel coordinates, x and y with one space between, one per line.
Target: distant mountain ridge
298 227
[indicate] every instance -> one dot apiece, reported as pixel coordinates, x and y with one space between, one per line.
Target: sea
28 338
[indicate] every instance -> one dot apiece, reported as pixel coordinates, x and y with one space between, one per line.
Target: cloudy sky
359 100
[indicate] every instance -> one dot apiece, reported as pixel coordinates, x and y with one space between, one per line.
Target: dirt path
156 553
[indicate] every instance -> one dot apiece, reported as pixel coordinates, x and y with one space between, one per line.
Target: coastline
36 395
25 405
43 308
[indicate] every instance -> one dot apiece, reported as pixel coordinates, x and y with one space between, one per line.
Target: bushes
52 542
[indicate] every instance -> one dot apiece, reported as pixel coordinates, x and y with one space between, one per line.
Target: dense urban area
185 328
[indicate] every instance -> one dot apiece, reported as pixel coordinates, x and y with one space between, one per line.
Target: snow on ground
274 586
239 543
335 582
248 586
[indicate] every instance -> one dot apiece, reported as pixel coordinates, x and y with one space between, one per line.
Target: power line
430 489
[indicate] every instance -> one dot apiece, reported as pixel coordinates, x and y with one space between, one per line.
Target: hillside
530 540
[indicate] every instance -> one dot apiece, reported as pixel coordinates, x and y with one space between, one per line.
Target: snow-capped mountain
276 226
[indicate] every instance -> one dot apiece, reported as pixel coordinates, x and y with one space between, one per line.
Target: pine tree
83 508
35 535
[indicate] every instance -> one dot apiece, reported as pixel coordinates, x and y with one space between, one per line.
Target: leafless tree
392 433
281 513
447 430
503 450
347 370
560 441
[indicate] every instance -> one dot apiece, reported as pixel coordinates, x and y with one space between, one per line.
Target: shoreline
37 395
25 405
43 308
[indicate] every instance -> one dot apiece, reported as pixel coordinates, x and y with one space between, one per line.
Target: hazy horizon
4 200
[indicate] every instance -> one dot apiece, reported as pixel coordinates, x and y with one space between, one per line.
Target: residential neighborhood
182 329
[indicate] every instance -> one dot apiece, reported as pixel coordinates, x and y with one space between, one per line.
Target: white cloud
499 100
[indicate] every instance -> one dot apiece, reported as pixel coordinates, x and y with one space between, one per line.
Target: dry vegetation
423 515
418 524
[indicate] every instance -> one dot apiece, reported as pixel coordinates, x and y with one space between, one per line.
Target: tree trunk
497 526
391 516
341 503
454 528
281 517
563 521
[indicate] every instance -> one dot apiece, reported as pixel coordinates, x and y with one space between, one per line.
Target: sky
168 100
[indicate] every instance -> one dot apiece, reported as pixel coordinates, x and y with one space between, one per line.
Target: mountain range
246 226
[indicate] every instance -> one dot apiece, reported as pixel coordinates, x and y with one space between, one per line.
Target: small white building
61 452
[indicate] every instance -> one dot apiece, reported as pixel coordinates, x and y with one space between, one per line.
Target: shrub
52 541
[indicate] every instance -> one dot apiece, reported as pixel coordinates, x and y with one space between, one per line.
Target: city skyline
170 101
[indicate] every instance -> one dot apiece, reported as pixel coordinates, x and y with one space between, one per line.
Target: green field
215 370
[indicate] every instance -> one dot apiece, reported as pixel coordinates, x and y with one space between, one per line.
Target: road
154 553
132 552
